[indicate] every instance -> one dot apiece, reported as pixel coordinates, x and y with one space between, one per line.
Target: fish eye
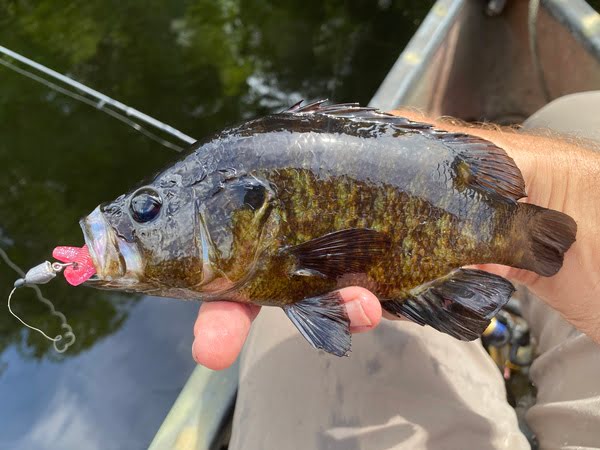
254 196
145 205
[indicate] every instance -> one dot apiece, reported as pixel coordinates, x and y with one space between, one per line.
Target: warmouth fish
284 210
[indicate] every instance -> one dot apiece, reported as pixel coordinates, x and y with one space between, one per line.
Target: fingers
222 327
220 332
363 308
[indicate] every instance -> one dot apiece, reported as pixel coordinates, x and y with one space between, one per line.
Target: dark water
197 65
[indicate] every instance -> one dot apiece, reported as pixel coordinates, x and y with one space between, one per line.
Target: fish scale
420 234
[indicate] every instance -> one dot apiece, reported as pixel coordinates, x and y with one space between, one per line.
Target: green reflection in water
197 65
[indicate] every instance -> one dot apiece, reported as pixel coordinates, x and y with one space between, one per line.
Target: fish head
180 239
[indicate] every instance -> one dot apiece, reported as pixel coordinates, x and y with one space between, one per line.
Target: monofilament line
67 336
55 339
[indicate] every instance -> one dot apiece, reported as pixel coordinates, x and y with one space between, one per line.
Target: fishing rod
46 271
121 111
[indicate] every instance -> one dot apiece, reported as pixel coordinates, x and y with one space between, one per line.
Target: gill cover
239 221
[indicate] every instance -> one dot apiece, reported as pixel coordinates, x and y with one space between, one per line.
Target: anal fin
323 321
460 304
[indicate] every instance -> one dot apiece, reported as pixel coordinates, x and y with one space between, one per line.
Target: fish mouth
118 263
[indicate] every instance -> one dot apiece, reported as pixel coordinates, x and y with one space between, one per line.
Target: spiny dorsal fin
354 111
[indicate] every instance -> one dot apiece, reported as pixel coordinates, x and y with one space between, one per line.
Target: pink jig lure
82 268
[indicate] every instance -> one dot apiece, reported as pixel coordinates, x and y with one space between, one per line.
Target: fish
286 209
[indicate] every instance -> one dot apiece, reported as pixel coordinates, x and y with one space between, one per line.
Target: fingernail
357 315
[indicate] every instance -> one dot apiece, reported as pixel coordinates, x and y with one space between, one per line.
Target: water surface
198 65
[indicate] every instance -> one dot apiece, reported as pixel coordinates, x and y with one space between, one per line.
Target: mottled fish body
286 209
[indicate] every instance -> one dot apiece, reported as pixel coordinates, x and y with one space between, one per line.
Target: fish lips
115 260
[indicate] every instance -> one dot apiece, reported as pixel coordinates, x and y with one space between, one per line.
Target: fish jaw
118 263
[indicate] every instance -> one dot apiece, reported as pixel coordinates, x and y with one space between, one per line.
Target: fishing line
100 105
57 338
68 336
46 271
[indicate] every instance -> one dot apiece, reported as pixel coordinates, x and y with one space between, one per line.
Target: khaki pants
409 387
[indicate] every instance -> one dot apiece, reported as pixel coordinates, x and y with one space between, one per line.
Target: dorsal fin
354 111
484 167
480 165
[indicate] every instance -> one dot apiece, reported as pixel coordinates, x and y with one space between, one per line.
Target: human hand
222 327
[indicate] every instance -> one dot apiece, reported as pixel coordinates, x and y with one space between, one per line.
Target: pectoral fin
338 253
460 304
323 321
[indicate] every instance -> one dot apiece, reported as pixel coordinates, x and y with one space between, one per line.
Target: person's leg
403 386
575 114
565 371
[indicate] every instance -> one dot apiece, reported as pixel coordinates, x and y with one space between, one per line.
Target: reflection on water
197 65
113 396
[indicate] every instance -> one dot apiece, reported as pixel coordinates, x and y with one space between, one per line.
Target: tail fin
548 234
